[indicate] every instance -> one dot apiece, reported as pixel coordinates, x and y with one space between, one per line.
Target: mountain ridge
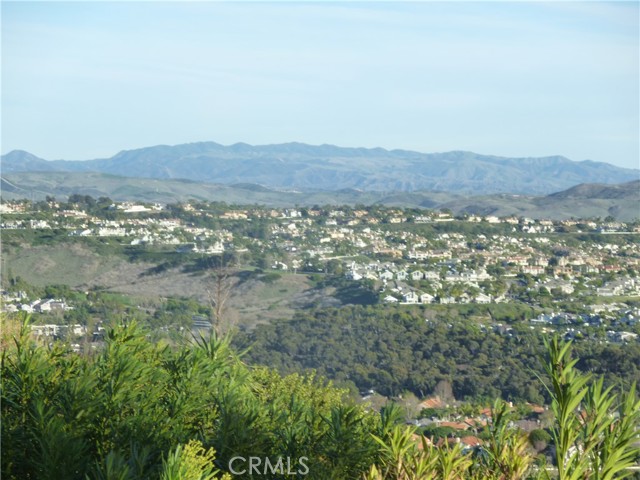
297 165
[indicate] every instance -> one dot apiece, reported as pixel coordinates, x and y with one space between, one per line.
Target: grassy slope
71 264
81 267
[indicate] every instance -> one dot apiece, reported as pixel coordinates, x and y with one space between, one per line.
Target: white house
386 275
426 298
417 275
482 298
411 297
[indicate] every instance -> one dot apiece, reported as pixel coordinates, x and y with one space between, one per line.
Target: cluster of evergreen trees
393 351
138 410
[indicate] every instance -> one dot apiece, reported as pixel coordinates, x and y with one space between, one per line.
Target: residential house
386 275
430 275
411 297
482 298
426 298
417 275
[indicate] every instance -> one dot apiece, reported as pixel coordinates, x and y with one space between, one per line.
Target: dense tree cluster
392 351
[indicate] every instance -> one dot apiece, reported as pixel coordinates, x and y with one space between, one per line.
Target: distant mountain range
583 201
297 166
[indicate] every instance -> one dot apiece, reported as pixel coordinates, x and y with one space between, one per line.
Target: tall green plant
595 432
595 435
506 455
191 462
45 396
402 458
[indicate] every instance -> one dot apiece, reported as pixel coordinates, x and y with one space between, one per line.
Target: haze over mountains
583 201
297 166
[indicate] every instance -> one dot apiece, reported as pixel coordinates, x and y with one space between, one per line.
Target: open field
70 264
251 301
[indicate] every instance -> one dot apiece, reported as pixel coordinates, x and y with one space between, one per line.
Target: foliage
539 438
139 410
190 462
505 455
596 431
271 277
597 442
396 350
135 409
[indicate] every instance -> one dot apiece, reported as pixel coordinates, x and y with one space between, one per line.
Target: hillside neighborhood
405 256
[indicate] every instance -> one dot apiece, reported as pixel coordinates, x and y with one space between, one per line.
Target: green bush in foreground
595 435
133 411
139 410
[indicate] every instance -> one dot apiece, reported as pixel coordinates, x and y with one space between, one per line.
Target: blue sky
85 80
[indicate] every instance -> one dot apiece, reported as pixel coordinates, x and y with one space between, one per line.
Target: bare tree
219 293
444 390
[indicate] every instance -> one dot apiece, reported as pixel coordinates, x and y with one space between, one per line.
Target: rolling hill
583 201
